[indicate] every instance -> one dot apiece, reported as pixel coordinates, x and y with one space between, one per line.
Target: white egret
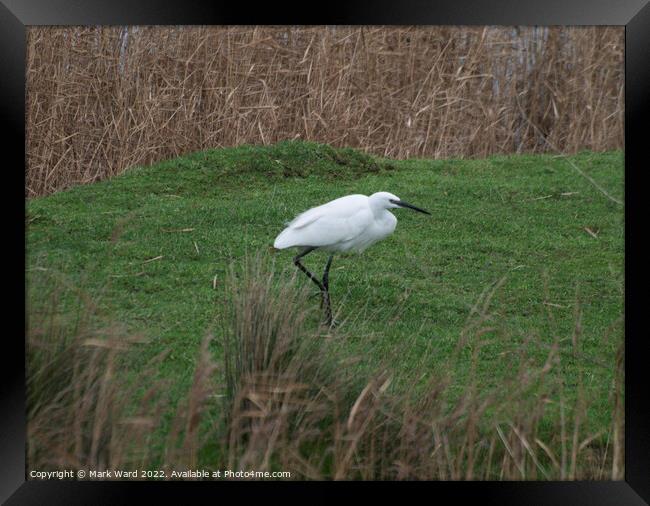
350 223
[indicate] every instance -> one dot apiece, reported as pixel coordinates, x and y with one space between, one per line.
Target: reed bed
103 99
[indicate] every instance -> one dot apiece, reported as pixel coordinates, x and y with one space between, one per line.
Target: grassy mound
152 250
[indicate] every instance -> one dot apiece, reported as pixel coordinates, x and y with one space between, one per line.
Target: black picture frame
16 15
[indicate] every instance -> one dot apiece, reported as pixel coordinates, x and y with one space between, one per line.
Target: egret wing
338 221
306 218
343 207
330 231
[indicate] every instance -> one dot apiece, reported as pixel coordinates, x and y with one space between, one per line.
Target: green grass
404 301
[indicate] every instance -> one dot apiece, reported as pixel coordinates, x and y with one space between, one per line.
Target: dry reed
103 99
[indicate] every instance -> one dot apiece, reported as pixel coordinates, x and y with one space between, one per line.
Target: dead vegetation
103 99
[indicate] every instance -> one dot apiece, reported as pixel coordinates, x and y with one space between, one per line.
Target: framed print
398 248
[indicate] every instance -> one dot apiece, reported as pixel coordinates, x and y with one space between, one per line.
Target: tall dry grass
102 99
283 397
86 407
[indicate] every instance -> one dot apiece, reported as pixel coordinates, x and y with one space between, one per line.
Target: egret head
387 200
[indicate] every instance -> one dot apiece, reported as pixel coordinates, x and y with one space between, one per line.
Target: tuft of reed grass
75 396
85 408
103 99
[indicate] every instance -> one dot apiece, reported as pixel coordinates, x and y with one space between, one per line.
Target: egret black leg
326 279
326 274
296 261
326 292
328 309
323 286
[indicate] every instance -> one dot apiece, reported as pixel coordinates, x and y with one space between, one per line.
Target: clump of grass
272 371
267 320
295 159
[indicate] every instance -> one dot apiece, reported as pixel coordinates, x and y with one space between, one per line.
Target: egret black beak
401 203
